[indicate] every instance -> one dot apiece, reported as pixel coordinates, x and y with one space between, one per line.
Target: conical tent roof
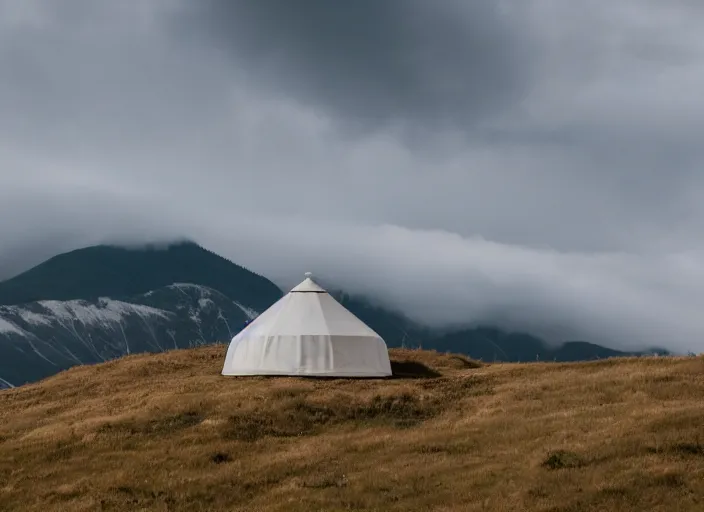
307 332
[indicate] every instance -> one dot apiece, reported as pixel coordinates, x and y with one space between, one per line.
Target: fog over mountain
529 163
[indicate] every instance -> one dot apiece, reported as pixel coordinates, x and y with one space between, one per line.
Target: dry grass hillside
167 432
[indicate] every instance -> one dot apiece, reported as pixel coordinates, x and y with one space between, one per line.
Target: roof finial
309 275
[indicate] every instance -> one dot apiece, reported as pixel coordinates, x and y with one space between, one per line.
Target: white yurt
307 333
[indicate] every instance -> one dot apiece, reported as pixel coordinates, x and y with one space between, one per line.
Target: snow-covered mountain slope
41 338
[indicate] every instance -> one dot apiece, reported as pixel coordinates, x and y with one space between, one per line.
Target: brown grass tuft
167 432
562 459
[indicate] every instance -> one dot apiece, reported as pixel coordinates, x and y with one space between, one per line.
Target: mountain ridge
114 271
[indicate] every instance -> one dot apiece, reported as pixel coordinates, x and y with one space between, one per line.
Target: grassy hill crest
168 432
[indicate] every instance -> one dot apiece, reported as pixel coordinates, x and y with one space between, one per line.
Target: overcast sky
533 163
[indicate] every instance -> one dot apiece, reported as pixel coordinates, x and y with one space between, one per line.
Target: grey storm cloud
561 193
375 63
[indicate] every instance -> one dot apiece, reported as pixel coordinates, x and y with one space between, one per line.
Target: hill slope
167 432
